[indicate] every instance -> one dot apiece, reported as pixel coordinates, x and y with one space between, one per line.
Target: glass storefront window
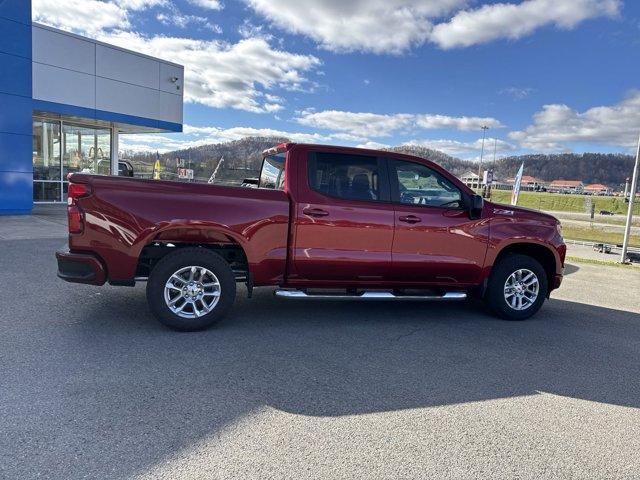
103 152
59 149
46 191
86 150
46 150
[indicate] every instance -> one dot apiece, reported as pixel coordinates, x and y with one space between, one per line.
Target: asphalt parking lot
92 387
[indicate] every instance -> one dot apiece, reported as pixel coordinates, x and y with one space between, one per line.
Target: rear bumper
80 268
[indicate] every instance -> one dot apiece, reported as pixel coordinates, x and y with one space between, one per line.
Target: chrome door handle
410 219
315 212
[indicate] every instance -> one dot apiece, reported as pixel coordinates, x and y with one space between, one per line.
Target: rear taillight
74 214
76 225
77 190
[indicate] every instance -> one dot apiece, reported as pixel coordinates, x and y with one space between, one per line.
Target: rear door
343 219
435 241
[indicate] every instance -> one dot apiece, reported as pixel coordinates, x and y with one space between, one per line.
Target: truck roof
283 147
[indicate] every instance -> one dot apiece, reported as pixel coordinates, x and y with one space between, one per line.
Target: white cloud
209 4
223 75
379 26
394 26
465 149
248 30
197 136
557 125
179 19
141 4
93 17
377 125
459 123
506 20
517 93
360 124
373 145
193 130
125 146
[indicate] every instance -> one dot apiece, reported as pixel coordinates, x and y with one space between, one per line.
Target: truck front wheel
517 287
191 289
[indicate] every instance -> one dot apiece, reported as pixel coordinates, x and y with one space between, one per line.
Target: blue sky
544 75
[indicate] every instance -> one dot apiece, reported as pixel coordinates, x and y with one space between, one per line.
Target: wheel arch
544 254
212 237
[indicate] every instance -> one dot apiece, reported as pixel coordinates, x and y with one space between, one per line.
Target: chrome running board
367 295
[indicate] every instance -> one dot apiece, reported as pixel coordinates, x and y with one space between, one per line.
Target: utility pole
484 133
632 196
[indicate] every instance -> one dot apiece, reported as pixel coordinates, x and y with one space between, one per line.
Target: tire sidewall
495 290
173 262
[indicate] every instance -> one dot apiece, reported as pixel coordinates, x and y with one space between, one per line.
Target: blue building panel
74 111
16 168
16 114
16 74
17 10
12 36
12 152
16 195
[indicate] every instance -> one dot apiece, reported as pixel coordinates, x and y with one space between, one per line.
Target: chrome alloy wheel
192 292
521 289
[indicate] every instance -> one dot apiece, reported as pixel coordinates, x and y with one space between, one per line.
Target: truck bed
125 215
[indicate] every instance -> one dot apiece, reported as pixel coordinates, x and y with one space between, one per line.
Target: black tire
495 294
173 262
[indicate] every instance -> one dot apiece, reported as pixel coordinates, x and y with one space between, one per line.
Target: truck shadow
570 268
120 394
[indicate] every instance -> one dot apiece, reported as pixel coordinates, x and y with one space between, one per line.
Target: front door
435 241
344 221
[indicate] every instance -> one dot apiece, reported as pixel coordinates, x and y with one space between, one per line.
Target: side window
352 177
419 185
273 171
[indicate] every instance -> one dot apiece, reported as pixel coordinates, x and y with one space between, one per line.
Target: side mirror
475 209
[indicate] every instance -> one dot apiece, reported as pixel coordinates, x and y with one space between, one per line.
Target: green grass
597 235
557 202
593 261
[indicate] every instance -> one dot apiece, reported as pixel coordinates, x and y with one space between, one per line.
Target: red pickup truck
325 222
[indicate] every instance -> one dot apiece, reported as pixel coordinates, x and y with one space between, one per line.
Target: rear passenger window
352 177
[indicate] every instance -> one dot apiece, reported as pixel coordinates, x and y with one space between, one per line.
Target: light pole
487 188
484 133
632 196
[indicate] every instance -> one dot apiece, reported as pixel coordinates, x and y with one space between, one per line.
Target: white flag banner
516 186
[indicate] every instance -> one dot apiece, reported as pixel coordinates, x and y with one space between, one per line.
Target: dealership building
64 100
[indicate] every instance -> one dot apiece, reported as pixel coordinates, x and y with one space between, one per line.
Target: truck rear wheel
517 287
191 289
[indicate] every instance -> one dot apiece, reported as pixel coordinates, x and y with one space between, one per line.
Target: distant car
125 169
606 212
250 182
602 247
633 257
103 167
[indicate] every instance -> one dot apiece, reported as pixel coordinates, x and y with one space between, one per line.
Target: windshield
272 174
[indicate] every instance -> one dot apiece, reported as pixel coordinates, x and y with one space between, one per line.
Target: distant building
566 186
597 189
471 180
529 183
